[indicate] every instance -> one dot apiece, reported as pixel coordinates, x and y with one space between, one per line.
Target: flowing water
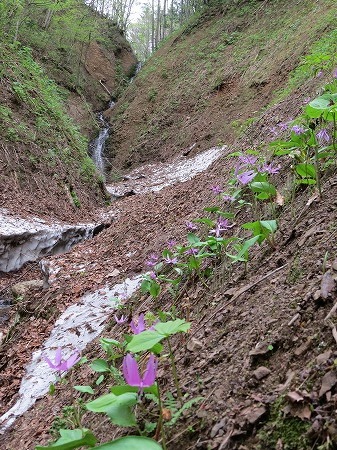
84 321
96 147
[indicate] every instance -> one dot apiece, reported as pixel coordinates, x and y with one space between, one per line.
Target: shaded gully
22 241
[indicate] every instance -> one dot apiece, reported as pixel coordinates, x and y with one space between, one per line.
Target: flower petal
58 356
130 371
50 364
72 360
150 372
141 323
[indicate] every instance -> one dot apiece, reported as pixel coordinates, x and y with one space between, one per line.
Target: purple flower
131 372
282 126
153 260
153 275
248 159
274 131
334 73
227 198
171 243
319 74
122 319
170 260
140 326
246 177
323 136
191 226
62 364
221 226
216 190
298 129
306 100
192 251
270 169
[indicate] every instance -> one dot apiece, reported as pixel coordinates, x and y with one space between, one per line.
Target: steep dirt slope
208 82
52 84
262 346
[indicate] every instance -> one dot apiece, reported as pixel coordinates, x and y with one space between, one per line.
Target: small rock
294 396
334 265
317 295
113 274
261 372
261 349
323 357
327 285
217 427
194 345
253 414
25 287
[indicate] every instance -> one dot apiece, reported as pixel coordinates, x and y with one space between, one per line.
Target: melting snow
76 327
154 177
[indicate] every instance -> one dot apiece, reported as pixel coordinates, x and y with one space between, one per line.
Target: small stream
96 147
22 241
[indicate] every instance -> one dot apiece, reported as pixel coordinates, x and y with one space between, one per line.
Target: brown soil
269 317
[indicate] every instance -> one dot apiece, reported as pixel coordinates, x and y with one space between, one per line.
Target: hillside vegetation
60 64
230 341
213 78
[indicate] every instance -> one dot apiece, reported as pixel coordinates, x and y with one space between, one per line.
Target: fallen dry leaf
294 396
328 382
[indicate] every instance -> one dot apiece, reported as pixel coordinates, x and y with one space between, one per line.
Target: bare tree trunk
47 19
152 28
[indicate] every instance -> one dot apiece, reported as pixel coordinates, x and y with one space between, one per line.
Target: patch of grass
290 430
43 118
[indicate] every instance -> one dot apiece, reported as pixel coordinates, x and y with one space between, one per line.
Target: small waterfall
96 147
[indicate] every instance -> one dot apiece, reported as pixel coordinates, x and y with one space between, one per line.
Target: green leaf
85 389
192 238
144 341
262 186
100 365
131 443
270 225
226 215
212 209
101 404
321 105
99 380
117 407
154 289
306 170
71 439
145 286
172 327
206 221
107 341
306 181
122 389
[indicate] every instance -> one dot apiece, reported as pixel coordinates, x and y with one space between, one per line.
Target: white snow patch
75 328
154 177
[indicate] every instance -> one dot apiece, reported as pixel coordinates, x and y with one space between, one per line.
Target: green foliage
117 407
148 339
291 430
131 442
71 439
